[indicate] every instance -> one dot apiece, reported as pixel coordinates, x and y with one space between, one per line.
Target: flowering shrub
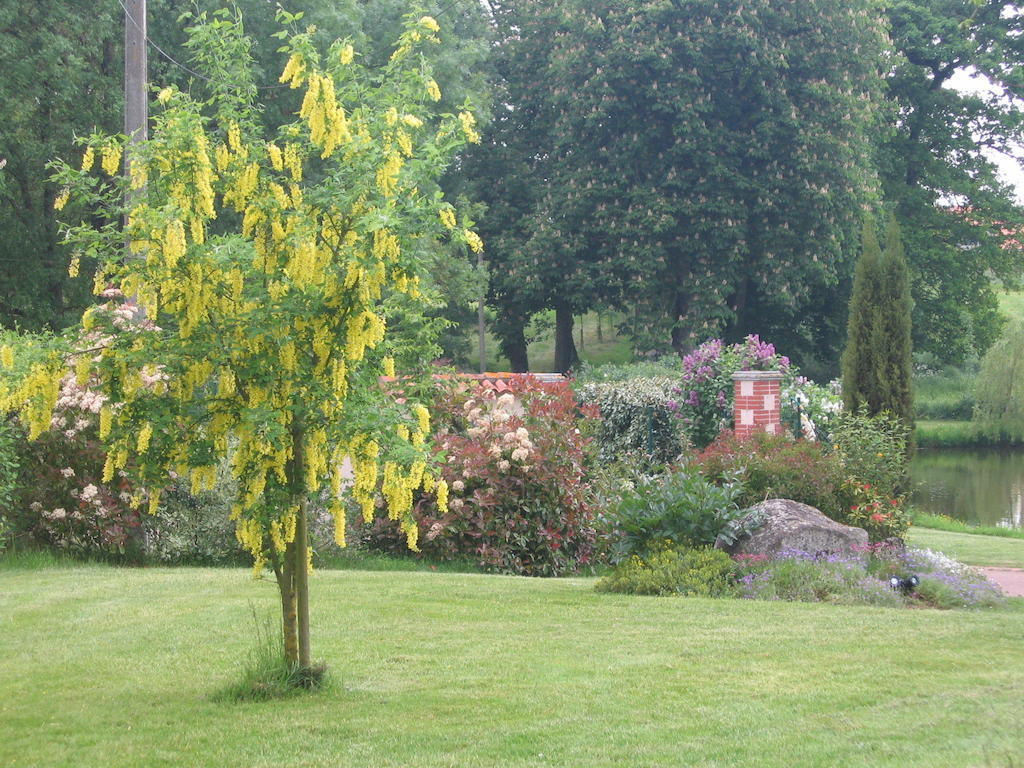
776 466
805 577
816 406
865 578
639 418
63 500
873 449
944 582
518 502
707 388
881 515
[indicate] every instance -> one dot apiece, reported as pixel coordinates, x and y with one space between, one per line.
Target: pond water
978 486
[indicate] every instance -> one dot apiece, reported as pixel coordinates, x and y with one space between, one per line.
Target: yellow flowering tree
260 267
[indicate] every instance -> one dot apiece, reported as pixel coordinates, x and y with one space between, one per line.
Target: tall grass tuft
265 674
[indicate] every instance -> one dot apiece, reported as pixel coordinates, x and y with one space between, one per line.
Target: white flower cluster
495 422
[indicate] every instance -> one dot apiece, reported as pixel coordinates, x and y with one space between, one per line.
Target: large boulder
789 525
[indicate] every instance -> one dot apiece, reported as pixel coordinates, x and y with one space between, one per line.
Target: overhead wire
201 76
174 61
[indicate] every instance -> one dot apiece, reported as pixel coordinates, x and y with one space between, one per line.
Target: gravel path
1011 580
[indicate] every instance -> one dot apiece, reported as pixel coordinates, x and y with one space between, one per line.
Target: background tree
262 341
952 208
62 70
63 78
700 164
1000 387
877 358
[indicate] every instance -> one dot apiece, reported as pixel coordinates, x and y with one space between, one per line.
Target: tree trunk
513 345
289 624
681 334
293 576
302 583
600 334
566 356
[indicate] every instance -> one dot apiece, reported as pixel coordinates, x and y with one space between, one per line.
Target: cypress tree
877 358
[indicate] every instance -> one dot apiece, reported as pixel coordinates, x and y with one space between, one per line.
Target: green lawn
114 667
970 548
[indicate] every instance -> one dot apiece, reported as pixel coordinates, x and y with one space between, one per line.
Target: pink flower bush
518 500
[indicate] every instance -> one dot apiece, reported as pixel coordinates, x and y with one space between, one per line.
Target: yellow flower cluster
474 241
294 71
111 161
469 127
35 395
447 216
363 452
88 158
7 356
363 330
328 126
62 199
387 174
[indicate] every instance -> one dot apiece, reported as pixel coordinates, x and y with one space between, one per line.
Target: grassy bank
967 434
946 523
115 667
970 548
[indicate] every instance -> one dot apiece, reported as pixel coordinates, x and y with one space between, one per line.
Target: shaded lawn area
117 667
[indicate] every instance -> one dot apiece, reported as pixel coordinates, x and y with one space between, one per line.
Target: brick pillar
757 402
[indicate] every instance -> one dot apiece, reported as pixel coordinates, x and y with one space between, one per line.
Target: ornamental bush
776 466
639 418
62 499
680 508
681 571
514 464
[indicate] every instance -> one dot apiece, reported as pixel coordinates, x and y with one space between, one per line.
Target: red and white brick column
757 402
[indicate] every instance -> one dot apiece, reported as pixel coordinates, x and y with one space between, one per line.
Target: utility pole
136 114
481 327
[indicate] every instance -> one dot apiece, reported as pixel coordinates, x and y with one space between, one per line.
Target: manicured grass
970 548
115 667
945 523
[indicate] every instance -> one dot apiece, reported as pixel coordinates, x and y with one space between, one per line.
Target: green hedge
638 416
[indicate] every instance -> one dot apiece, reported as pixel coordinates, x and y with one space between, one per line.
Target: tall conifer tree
877 358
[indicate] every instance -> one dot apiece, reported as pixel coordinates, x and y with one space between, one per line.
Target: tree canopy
952 208
702 163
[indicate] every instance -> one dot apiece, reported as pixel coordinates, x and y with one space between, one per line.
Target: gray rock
790 525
